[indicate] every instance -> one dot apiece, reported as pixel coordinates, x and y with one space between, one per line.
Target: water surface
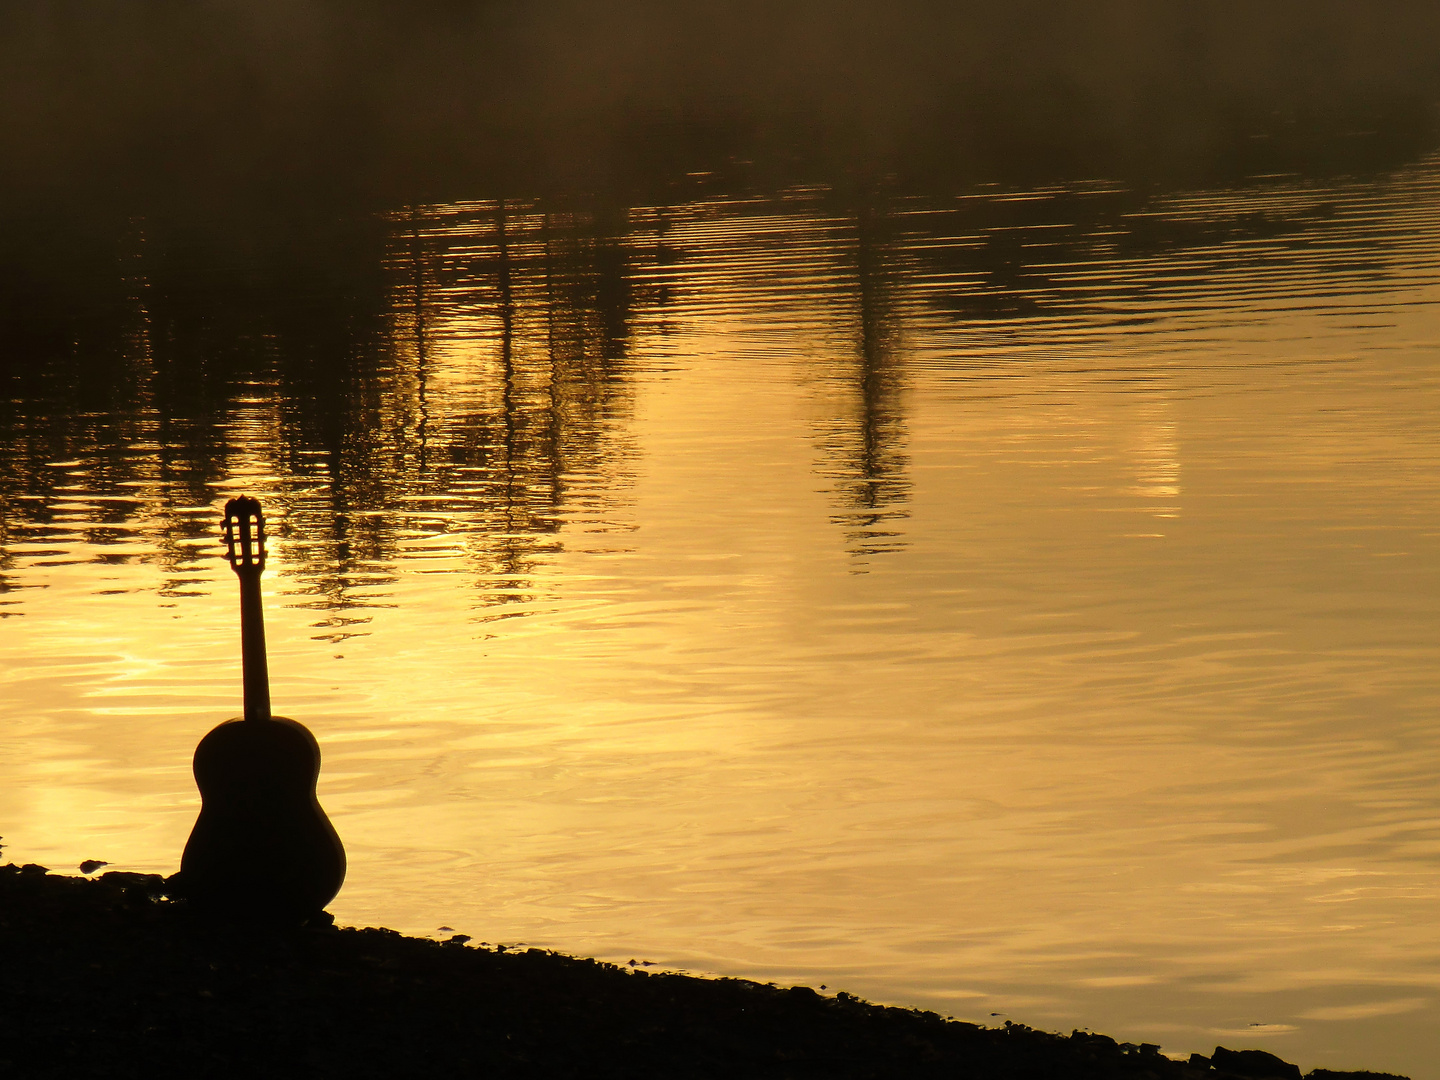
1017 603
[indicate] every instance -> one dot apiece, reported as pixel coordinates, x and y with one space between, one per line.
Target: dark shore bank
108 977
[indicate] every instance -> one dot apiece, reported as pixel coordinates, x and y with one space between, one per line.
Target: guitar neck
252 646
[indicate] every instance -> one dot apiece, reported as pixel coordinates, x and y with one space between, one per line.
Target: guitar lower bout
262 849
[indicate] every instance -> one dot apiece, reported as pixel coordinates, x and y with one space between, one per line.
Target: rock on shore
108 977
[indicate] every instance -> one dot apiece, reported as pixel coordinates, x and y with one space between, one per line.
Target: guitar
262 850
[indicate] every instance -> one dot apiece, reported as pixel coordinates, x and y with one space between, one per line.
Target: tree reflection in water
497 374
866 444
454 380
435 379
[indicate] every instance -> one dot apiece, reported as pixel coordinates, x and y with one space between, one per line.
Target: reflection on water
479 402
1017 603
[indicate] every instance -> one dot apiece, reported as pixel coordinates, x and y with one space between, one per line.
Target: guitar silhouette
262 850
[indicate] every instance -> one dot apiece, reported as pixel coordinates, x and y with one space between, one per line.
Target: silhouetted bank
109 977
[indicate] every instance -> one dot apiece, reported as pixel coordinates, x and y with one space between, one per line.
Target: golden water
1023 605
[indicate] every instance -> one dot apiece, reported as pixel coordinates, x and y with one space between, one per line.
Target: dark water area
938 498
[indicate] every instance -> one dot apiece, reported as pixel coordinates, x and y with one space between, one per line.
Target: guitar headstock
245 535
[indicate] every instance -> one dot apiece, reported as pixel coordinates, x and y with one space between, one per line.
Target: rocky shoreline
109 977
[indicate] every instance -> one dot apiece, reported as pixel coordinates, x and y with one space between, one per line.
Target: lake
1018 602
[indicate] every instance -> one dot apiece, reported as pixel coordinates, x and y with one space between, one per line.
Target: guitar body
262 849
